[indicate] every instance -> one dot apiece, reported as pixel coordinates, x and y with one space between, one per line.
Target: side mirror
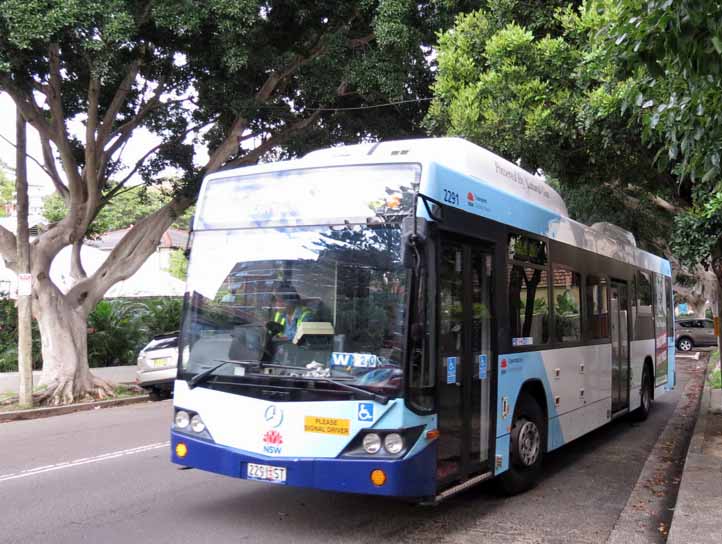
409 227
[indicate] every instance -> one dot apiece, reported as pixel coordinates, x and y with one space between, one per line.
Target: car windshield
304 303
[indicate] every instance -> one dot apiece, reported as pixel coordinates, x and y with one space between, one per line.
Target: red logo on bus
273 437
503 363
470 196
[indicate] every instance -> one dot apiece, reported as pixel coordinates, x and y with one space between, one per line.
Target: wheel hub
529 443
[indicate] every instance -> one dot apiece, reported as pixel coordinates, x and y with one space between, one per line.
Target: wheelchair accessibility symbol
365 411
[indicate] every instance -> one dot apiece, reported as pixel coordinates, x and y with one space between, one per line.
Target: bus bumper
408 477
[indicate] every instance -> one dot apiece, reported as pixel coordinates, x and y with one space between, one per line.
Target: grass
715 374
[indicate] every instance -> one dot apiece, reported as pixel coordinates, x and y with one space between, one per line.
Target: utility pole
25 339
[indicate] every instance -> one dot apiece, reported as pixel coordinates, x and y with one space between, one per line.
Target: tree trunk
63 331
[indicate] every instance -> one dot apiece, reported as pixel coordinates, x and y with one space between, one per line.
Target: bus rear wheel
646 392
528 438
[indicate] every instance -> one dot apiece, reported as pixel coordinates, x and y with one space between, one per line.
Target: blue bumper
412 477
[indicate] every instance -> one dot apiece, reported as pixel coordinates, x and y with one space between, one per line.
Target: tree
247 79
125 209
672 51
549 99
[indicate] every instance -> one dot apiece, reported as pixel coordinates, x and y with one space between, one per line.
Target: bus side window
567 304
528 290
597 322
644 324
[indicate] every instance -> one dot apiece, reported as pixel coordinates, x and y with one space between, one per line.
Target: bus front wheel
528 437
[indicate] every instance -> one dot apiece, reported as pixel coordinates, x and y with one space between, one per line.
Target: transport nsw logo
272 442
477 201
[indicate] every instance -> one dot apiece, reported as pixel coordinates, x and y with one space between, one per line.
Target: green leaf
717 43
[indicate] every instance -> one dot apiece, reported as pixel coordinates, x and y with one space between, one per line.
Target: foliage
163 315
116 332
698 231
672 51
9 338
178 264
7 189
566 305
547 98
119 328
122 211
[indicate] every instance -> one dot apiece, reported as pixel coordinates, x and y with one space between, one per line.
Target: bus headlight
372 443
393 443
182 419
197 425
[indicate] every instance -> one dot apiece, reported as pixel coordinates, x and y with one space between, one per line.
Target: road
104 476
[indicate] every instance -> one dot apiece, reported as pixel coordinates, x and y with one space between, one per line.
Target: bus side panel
639 350
577 386
672 376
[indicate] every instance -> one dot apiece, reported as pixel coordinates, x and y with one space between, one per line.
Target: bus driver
291 312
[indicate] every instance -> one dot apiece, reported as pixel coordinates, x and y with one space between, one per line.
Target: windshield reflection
304 303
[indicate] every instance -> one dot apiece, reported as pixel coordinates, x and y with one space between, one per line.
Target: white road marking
83 461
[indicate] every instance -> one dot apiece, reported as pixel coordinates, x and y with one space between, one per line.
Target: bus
407 318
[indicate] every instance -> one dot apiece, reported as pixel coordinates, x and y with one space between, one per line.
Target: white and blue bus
407 319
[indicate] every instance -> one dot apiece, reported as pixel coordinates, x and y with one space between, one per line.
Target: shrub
9 338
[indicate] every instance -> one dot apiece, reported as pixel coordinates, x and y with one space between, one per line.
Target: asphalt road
104 476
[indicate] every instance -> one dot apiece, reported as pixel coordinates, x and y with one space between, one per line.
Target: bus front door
465 361
620 346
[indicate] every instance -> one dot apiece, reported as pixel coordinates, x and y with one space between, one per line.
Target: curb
36 413
651 493
700 492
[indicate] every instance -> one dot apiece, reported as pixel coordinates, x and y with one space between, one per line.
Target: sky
137 146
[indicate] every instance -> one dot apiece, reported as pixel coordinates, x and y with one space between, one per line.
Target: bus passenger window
597 322
644 324
567 305
528 307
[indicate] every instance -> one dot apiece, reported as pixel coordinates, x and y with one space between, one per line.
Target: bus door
620 345
465 358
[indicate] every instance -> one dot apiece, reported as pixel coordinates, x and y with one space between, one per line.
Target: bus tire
526 447
647 394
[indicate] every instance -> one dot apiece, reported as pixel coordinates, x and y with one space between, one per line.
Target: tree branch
121 93
277 139
53 93
77 271
110 194
8 248
128 256
228 147
123 133
51 172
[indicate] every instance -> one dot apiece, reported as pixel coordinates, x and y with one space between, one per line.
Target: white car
157 366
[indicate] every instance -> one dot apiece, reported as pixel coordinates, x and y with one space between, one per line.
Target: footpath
698 513
9 381
119 375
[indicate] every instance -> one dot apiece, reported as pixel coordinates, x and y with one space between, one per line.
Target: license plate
266 473
165 361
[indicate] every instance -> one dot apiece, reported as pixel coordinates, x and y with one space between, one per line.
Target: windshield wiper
363 392
203 376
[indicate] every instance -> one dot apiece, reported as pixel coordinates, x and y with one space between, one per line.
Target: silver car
693 333
157 364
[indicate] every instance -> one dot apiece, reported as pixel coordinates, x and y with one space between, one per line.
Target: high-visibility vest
280 317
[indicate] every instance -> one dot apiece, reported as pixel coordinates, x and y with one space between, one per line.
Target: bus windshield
304 303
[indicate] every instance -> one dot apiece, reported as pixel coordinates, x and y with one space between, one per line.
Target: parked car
693 333
157 364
